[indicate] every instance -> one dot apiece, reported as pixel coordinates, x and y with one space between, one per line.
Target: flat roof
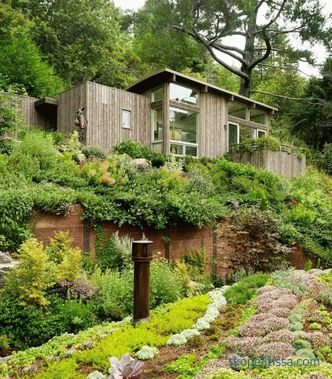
166 74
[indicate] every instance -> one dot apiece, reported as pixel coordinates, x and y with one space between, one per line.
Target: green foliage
245 289
158 44
10 116
92 152
32 277
21 64
183 364
82 40
115 295
112 252
326 158
136 150
312 117
166 286
15 212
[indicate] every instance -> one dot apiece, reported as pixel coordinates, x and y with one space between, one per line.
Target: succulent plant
125 368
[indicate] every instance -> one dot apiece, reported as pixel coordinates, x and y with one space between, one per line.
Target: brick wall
172 243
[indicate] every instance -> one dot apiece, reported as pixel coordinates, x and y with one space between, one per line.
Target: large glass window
183 125
256 115
233 133
183 94
157 94
157 124
236 109
183 132
246 132
157 130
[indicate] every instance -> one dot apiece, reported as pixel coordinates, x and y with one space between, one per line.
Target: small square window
126 119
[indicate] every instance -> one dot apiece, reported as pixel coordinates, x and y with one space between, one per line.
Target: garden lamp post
142 256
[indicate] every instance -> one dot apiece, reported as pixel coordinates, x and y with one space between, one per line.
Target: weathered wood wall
68 104
34 118
104 112
212 121
278 162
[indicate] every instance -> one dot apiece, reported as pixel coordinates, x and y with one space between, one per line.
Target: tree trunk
245 87
249 55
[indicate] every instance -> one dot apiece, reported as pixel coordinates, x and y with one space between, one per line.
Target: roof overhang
167 75
46 105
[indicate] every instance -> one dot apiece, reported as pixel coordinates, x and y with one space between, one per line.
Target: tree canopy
259 23
312 118
82 39
21 64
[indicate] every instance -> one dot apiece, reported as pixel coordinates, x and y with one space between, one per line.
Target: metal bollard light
141 256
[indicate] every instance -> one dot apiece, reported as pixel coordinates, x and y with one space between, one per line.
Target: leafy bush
326 159
136 150
166 285
115 295
93 152
15 212
29 281
258 240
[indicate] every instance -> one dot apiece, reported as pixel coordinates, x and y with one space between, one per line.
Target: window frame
128 112
238 132
257 130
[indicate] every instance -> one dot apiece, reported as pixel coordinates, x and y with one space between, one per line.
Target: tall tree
258 22
313 117
21 66
158 44
82 39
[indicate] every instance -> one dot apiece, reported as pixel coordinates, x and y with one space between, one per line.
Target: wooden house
168 111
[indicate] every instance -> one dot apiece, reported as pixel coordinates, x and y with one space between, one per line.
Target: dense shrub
112 252
93 152
258 240
166 285
136 150
29 281
115 297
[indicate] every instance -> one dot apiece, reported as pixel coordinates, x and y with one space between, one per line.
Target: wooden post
142 256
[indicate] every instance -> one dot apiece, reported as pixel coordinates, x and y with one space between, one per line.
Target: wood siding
104 113
278 162
32 117
211 125
68 104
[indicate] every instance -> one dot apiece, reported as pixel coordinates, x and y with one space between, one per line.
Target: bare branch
194 34
309 100
273 19
227 47
289 67
259 5
286 31
229 53
220 61
265 55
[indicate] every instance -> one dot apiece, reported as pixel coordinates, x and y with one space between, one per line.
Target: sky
319 51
